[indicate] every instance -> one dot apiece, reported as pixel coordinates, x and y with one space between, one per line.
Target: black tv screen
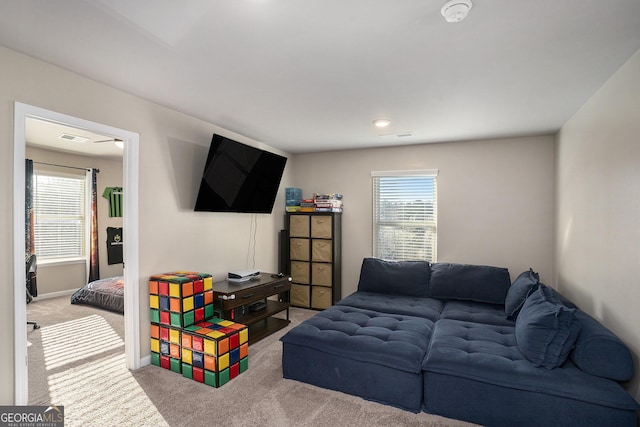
239 178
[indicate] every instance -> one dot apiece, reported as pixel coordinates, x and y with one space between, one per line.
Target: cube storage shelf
314 258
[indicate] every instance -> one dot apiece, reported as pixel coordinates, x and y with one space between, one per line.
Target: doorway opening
22 113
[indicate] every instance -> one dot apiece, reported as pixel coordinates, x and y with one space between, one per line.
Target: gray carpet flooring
76 359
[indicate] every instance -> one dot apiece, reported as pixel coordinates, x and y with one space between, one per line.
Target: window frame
84 218
429 226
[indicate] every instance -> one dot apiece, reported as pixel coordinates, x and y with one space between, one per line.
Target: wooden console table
249 303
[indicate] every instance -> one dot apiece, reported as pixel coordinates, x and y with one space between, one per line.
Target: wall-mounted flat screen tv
239 178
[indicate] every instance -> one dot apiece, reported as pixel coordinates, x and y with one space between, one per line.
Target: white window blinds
405 215
59 212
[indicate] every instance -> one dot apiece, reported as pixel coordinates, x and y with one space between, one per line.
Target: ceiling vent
456 10
73 138
397 135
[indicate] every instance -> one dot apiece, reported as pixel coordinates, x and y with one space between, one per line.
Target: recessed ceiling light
381 123
456 10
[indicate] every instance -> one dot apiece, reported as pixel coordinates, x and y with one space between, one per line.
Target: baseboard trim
54 294
144 361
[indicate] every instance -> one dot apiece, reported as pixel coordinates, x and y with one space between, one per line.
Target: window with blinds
405 215
59 213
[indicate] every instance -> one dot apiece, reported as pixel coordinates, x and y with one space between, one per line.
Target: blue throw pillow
546 330
518 292
467 282
409 278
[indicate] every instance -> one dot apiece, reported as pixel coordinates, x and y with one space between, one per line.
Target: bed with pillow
464 342
103 293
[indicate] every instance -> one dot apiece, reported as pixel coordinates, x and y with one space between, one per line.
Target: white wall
60 278
495 199
598 207
173 149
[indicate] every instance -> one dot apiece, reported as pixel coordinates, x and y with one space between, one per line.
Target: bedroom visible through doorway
64 268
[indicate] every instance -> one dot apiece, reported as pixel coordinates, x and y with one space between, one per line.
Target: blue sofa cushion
518 292
390 340
489 354
409 278
599 352
478 283
477 312
546 329
429 308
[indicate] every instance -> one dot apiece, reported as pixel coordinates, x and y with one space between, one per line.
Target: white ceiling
311 75
54 136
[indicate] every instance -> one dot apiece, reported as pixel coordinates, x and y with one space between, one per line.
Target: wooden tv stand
237 301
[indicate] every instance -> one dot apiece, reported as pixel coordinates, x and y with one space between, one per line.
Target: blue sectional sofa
464 342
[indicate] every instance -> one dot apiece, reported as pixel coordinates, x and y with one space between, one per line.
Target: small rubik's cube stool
165 347
215 351
180 299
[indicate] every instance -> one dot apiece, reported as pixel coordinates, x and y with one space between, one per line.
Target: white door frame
130 224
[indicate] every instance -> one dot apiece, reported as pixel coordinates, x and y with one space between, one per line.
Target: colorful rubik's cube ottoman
186 338
180 298
165 347
215 351
176 299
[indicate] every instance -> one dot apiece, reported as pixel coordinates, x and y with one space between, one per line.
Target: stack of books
307 205
327 202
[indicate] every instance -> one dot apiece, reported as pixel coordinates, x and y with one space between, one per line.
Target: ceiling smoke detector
456 10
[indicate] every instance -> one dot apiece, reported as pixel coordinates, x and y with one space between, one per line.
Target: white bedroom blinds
59 211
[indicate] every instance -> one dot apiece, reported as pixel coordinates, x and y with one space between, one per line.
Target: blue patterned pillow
518 292
546 330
